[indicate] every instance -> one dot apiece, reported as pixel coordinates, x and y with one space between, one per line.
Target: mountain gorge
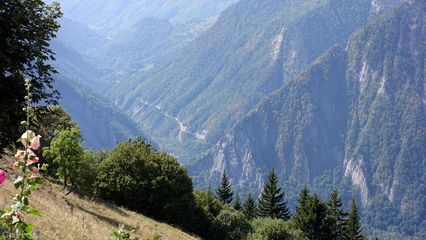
327 92
360 110
252 49
91 58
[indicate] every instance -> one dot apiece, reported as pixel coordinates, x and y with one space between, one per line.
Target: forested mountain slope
254 47
360 111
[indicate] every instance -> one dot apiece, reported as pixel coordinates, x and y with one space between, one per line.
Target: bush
230 225
141 179
273 229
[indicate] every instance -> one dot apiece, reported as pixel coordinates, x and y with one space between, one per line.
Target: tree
272 203
301 215
353 229
274 229
224 191
67 152
337 215
49 121
139 178
311 217
237 203
26 29
230 225
249 207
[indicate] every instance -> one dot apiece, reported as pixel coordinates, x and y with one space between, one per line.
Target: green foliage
224 191
274 229
137 177
337 215
237 203
249 207
312 217
272 203
353 231
230 225
48 121
207 207
121 234
67 152
27 27
87 171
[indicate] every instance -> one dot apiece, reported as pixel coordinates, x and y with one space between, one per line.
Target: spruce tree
300 217
272 203
224 191
353 229
336 215
249 207
311 217
237 203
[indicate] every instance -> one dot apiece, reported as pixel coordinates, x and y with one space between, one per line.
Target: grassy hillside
73 217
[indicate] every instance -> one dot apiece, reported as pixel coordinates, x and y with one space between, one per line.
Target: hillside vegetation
69 216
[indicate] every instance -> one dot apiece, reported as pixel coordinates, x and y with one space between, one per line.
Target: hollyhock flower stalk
27 180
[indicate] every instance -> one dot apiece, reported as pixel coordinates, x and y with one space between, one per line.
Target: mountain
110 17
252 49
101 124
355 115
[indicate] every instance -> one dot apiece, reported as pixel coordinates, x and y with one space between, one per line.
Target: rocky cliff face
387 125
298 130
360 110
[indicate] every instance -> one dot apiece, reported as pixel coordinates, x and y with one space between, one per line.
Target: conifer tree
249 207
210 199
353 230
311 217
337 215
301 215
224 191
237 203
272 203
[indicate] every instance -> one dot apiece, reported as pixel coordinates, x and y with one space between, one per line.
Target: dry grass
72 217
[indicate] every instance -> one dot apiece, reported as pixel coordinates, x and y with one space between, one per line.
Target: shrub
273 229
230 225
139 178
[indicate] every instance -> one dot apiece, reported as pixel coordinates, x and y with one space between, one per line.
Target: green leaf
18 182
34 212
28 229
25 200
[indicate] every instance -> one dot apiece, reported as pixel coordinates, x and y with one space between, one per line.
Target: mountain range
327 92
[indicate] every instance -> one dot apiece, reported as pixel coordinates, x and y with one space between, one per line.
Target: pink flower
2 176
19 154
35 142
32 161
26 137
35 170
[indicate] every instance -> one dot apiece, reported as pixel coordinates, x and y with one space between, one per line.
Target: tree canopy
272 203
26 29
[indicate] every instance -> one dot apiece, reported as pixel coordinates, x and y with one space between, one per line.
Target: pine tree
272 203
249 207
336 215
224 191
311 217
210 199
237 203
301 215
353 230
